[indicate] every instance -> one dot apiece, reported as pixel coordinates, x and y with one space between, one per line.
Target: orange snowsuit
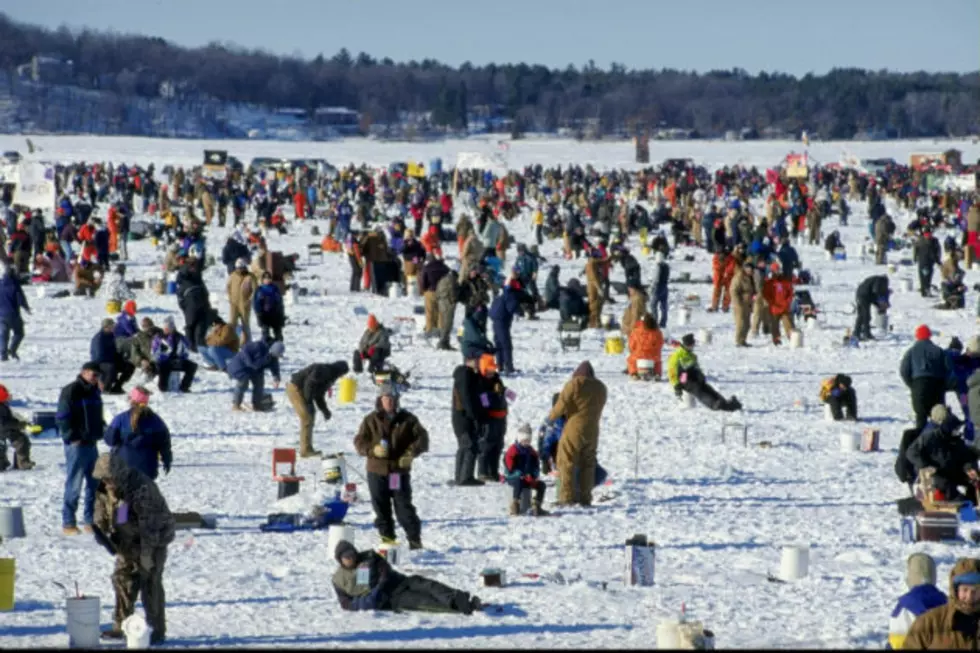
112 220
299 205
645 344
722 271
86 234
430 242
778 292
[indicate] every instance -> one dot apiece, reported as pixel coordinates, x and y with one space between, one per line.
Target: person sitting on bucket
684 373
923 595
522 471
365 581
838 393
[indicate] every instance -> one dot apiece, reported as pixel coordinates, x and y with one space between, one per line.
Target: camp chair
570 334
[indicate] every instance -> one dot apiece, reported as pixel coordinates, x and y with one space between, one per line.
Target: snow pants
576 471
138 575
427 595
926 392
704 393
490 447
466 453
843 405
382 498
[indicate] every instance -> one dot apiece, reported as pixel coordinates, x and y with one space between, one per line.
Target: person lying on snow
684 373
940 447
365 581
838 393
523 469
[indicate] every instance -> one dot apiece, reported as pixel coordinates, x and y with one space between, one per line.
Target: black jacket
232 251
467 411
432 274
314 380
873 289
551 287
79 417
571 304
937 447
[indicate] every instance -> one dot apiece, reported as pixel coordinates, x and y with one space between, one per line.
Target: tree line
836 105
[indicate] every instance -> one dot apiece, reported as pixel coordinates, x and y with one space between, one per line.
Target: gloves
678 391
379 451
327 414
530 480
835 392
370 352
405 462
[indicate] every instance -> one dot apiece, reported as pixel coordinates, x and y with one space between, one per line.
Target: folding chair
289 482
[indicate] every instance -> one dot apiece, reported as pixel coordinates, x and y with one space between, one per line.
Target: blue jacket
143 448
788 257
912 604
12 297
79 417
172 347
126 326
551 435
521 461
504 308
474 341
925 359
253 357
526 266
267 300
103 347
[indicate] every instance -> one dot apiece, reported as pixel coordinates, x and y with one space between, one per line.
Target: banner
414 169
35 187
215 164
796 166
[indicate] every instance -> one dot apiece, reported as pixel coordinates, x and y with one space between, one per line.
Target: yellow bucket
645 250
113 307
154 241
7 567
643 234
614 344
347 390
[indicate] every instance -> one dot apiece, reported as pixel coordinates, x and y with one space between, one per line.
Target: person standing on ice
684 374
923 595
505 307
12 301
365 581
926 255
581 402
80 425
927 372
659 289
140 436
391 438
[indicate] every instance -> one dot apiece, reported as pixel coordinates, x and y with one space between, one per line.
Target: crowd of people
392 229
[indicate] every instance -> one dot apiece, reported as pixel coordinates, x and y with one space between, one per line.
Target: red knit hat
372 322
922 332
130 308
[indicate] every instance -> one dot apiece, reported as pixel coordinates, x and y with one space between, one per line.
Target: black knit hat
344 548
688 340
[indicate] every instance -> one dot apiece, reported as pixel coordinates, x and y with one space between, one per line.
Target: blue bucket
840 257
435 166
171 287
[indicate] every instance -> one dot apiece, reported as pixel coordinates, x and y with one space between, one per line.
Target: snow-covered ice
719 513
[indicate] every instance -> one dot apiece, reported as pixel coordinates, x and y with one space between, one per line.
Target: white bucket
137 632
850 442
83 622
41 292
668 635
796 339
812 324
336 534
334 469
292 296
704 337
684 316
413 286
975 267
829 255
645 366
687 400
795 562
881 322
605 320
12 522
173 381
394 554
394 290
814 279
907 285
828 415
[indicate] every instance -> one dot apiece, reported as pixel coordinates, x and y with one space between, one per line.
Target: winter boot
537 510
389 541
415 545
310 453
113 633
515 508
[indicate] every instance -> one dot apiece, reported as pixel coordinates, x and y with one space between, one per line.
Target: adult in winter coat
12 301
646 342
469 417
778 292
235 250
391 438
494 400
307 390
551 288
194 302
248 366
413 255
508 304
926 255
571 303
241 290
838 393
269 310
374 347
220 344
940 447
884 229
446 296
923 595
365 581
684 374
926 371
955 625
526 272
743 293
170 355
134 523
873 291
432 273
140 347
634 311
470 255
659 289
474 342
139 436
12 431
80 425
593 275
581 402
115 369
522 471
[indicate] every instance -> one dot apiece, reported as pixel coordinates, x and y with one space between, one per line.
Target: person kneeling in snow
838 393
684 373
523 468
365 581
12 430
923 595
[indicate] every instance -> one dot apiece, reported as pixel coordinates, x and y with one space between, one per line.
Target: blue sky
901 35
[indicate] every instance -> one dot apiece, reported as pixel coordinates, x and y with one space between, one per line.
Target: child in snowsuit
12 430
523 469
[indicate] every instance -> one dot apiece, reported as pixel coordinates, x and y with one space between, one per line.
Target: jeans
79 464
66 247
658 309
15 324
257 379
216 356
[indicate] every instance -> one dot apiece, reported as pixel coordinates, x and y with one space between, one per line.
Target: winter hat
4 394
344 548
955 345
524 432
107 323
129 308
584 369
241 264
488 364
688 340
387 389
92 366
920 570
973 345
140 395
102 465
372 322
168 322
922 332
277 349
938 414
